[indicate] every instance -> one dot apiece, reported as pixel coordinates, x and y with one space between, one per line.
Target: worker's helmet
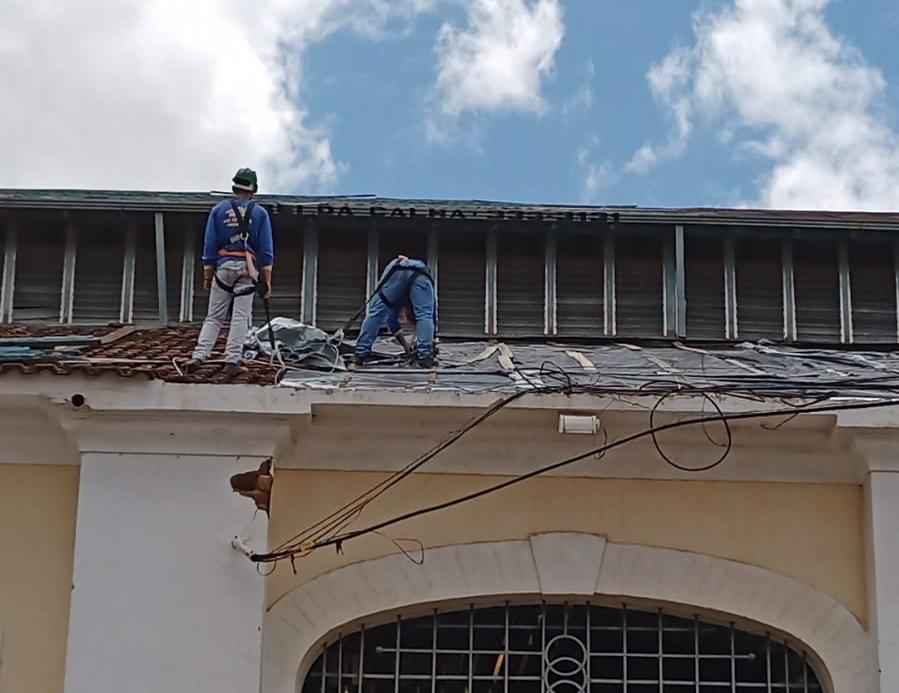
245 179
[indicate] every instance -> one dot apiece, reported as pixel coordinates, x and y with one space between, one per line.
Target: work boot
358 360
191 366
426 362
232 370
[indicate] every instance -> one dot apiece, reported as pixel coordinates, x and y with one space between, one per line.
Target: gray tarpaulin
298 344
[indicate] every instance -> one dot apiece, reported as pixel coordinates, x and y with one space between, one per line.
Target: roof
124 351
752 370
472 210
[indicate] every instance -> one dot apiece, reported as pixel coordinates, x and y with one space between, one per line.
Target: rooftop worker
405 283
238 240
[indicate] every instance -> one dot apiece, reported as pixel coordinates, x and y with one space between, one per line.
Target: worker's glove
208 272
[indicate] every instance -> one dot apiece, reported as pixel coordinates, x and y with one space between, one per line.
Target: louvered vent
579 285
704 285
287 272
873 281
342 259
521 268
201 295
638 283
393 242
98 271
145 307
40 252
759 268
817 277
461 283
177 228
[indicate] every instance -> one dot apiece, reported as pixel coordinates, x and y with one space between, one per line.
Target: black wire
728 446
341 539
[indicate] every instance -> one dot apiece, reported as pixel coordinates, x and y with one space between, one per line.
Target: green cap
245 179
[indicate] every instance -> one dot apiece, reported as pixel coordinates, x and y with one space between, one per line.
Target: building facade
760 555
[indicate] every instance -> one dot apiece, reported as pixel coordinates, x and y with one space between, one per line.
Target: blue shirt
222 230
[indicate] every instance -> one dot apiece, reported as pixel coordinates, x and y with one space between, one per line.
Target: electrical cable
346 514
283 552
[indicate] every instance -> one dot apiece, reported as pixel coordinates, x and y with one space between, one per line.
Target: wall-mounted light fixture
579 423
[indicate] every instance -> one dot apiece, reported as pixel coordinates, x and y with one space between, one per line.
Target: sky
789 104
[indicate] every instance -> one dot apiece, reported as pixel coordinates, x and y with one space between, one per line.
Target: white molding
302 619
567 563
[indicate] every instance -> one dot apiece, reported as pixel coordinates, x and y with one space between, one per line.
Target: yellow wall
813 533
37 536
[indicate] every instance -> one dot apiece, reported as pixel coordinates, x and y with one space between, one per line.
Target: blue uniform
404 282
222 233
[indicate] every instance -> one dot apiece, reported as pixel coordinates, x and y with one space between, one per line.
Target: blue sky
369 93
769 103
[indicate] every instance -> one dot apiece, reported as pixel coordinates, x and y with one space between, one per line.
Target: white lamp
579 424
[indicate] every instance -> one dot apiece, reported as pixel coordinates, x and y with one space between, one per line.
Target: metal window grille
556 647
817 278
704 283
580 285
872 272
461 289
760 300
639 283
520 284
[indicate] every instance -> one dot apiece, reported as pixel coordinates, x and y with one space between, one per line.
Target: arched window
560 648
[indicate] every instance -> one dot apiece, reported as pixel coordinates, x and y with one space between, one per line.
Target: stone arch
569 565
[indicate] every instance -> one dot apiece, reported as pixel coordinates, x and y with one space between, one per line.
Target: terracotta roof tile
141 352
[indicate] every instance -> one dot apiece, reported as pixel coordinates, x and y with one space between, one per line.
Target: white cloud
596 177
583 97
498 62
784 87
169 94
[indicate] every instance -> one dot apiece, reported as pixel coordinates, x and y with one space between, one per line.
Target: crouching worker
404 284
238 254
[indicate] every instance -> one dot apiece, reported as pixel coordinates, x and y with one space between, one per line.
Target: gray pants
231 274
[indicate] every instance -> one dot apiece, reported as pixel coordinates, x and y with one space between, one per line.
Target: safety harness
243 235
415 272
247 254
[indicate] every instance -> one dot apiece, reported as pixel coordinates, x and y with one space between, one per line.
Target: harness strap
243 220
246 291
415 272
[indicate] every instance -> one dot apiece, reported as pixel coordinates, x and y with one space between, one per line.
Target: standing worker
405 283
238 253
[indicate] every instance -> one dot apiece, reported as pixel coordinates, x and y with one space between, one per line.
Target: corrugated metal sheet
394 241
39 260
873 282
816 269
98 272
704 284
461 284
759 269
287 273
177 228
520 284
639 283
579 285
342 258
146 299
